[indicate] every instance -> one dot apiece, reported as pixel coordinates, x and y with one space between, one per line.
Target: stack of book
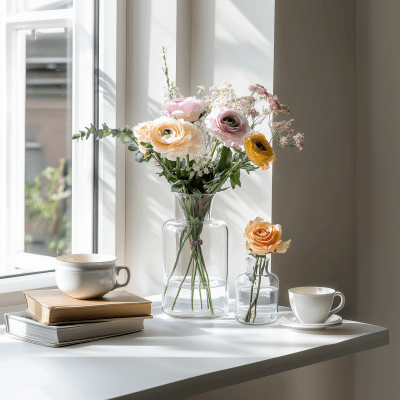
54 319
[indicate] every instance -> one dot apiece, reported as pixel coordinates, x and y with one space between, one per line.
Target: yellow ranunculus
260 151
175 138
263 237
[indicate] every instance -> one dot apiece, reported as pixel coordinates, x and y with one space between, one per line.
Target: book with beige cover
53 307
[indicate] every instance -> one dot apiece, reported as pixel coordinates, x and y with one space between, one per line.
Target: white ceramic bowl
88 276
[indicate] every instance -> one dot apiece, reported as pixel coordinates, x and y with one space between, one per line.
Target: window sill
41 275
26 282
177 358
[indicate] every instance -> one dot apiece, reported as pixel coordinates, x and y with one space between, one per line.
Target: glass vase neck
194 207
258 265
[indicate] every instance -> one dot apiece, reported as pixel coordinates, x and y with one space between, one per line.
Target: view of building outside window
48 139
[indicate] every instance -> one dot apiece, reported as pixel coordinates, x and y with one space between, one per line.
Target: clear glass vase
257 293
195 260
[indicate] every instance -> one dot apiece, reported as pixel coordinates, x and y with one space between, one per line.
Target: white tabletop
172 358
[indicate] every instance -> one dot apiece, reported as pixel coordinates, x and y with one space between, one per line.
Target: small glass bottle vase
257 293
195 260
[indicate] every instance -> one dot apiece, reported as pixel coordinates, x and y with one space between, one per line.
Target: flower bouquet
258 288
199 144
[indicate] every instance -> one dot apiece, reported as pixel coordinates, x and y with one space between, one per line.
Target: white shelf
172 358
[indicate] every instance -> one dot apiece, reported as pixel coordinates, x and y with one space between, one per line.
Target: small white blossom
201 89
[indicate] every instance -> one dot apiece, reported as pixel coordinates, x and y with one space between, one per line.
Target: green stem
223 180
201 300
181 244
248 314
208 290
258 292
183 280
187 162
166 73
192 284
214 148
204 284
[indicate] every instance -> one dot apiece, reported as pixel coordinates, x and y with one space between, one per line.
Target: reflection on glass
44 5
48 142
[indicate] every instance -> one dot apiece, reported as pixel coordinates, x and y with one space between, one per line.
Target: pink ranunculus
229 126
186 108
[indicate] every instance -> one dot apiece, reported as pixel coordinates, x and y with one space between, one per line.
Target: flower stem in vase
199 289
182 242
258 290
183 280
205 278
258 271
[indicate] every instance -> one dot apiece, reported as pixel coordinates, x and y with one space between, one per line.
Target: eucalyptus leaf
125 139
139 157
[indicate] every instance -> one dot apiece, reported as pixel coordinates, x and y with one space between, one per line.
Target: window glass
44 5
48 106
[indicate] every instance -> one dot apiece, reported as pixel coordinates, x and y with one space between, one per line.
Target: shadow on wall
238 48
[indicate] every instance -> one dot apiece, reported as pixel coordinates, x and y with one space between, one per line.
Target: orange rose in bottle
263 238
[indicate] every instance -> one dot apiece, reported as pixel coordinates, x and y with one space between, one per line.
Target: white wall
149 202
214 42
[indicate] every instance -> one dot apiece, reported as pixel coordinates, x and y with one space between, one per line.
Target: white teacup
88 276
312 305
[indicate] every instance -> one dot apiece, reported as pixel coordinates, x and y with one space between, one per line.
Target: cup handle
340 306
117 270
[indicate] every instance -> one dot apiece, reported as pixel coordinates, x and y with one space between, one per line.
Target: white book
21 326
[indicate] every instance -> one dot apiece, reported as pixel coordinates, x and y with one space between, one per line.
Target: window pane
48 142
43 5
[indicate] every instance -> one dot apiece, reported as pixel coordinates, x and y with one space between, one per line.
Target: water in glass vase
263 310
192 299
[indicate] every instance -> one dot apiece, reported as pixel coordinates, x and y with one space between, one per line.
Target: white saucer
290 321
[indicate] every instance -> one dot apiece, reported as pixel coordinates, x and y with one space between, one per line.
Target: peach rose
142 134
175 138
263 237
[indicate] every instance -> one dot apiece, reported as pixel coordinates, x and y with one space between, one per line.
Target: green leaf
225 160
177 186
125 139
147 145
133 147
236 177
139 157
76 136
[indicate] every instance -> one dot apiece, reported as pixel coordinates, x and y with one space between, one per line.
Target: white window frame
111 194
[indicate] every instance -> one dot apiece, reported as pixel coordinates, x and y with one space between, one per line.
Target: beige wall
332 58
314 192
378 192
